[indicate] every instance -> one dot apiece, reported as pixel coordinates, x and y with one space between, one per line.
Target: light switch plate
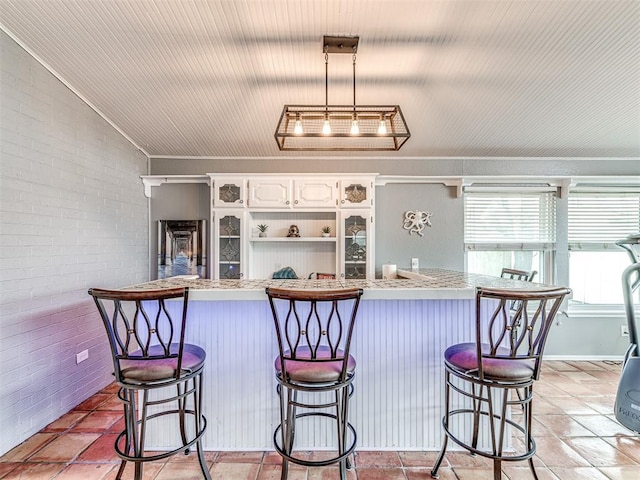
415 264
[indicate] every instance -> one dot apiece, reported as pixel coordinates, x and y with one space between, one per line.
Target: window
507 228
597 217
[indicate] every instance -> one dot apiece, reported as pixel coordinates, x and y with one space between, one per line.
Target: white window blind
527 219
597 219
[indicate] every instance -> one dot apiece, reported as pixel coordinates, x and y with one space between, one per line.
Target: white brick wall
72 216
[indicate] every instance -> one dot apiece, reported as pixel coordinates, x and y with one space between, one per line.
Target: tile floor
577 437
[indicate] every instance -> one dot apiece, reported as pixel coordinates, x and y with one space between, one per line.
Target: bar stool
150 355
314 368
504 359
514 274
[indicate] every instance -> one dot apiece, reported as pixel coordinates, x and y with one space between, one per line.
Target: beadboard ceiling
474 78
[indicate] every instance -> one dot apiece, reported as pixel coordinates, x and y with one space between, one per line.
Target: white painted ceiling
474 78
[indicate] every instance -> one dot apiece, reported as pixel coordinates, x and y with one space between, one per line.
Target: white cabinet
269 193
356 244
356 193
310 202
229 244
277 193
315 193
228 192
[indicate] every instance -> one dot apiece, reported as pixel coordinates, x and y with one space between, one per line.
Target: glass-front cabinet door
230 240
229 192
356 193
356 245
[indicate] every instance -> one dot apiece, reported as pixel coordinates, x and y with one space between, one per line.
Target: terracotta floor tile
421 459
111 388
273 472
28 447
524 473
630 446
100 451
385 473
621 473
65 448
235 471
240 457
576 433
149 471
562 426
599 453
601 425
570 406
474 473
65 422
180 471
97 421
93 402
445 473
465 460
112 404
209 456
36 471
602 404
79 471
555 453
5 468
578 473
378 459
271 458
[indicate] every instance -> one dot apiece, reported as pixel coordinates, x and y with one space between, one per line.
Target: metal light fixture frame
378 127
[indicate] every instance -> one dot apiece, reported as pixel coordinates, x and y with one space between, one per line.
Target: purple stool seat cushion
314 371
162 369
463 357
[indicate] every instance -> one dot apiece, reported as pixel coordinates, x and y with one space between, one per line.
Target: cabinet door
315 193
356 249
229 192
230 241
356 193
269 193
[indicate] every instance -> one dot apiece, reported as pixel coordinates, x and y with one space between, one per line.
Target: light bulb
382 127
297 129
355 130
326 128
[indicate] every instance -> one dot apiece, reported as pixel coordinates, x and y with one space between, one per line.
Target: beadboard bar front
398 344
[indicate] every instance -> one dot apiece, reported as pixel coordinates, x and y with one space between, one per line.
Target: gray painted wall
72 216
442 244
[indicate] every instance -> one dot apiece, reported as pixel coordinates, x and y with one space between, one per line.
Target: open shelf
293 239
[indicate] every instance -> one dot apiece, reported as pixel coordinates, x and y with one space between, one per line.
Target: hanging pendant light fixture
339 127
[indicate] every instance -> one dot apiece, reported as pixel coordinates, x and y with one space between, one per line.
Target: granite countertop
427 284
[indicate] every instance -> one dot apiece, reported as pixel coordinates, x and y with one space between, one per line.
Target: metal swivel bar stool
314 367
150 354
504 359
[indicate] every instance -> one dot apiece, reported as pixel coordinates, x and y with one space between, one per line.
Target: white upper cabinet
229 192
356 192
269 193
315 193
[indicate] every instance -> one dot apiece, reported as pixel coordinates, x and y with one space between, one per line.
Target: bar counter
404 325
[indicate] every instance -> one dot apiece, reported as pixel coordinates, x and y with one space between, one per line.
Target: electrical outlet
82 356
415 265
624 330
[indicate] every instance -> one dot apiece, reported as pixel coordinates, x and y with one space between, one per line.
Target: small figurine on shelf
326 231
293 231
262 230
